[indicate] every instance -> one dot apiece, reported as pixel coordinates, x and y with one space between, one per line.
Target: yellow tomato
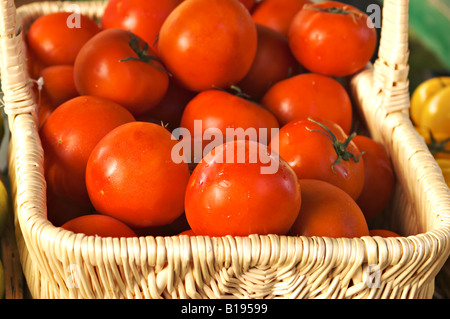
444 164
439 149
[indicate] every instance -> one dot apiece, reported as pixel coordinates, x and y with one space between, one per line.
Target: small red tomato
117 65
385 233
379 177
278 14
317 148
332 38
230 193
328 211
56 38
208 43
68 137
99 225
132 176
273 62
142 17
310 94
59 83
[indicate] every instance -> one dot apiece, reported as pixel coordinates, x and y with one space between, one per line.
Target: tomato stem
436 147
340 147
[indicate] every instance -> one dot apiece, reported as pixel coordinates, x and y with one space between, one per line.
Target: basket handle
15 83
391 69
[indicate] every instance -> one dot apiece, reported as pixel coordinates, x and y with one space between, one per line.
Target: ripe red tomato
54 40
235 197
385 233
59 83
116 64
310 94
217 111
278 14
68 137
99 225
273 62
332 38
379 177
142 17
208 43
131 176
328 211
317 148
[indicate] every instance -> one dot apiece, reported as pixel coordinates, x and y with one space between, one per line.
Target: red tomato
68 137
385 233
273 62
115 64
59 83
170 110
278 14
249 4
231 195
99 225
142 17
131 176
332 38
56 38
217 111
310 94
208 43
328 211
317 148
379 177
188 232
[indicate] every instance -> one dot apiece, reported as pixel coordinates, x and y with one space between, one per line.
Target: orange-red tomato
208 43
188 232
278 14
317 148
68 137
230 193
59 83
132 176
383 233
56 38
379 177
332 38
142 17
310 94
99 225
273 62
328 211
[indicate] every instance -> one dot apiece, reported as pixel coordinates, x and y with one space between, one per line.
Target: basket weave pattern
61 264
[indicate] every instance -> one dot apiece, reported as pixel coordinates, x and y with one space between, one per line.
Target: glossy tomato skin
328 211
379 177
332 43
69 135
273 62
131 176
59 83
99 225
278 14
310 94
101 70
208 43
310 152
54 41
142 17
232 197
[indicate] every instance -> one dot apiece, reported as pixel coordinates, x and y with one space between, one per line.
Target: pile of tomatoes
111 94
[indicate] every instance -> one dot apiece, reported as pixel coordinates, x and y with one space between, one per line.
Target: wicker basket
60 264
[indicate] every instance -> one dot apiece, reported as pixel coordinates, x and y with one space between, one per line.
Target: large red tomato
69 135
317 148
208 43
229 193
278 14
379 177
117 65
132 176
328 211
142 17
56 38
332 38
273 62
310 94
